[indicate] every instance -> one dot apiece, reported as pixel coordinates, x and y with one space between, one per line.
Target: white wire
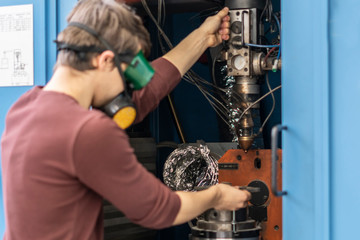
261 98
273 106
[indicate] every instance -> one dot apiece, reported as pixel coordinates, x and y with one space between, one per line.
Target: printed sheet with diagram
16 46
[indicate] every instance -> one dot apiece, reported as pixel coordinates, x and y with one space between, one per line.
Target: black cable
209 12
193 78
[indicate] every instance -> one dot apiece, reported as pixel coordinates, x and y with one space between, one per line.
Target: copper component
256 165
245 143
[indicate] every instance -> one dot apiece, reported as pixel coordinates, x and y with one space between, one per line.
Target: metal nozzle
246 142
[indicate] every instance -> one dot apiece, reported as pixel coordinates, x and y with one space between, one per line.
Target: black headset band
92 32
126 57
65 46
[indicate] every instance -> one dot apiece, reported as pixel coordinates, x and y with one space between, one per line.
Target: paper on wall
16 45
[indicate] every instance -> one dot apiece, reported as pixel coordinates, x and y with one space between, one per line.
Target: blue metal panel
305 96
321 84
63 9
297 108
320 88
345 115
9 94
51 32
56 13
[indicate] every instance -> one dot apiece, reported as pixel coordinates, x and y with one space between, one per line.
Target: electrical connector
275 65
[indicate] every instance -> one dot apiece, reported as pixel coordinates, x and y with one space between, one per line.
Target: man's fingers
225 37
248 194
225 28
224 31
225 25
242 205
223 12
226 18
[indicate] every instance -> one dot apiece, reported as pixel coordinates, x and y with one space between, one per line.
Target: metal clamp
274 157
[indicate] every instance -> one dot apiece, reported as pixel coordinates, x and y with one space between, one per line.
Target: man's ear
105 61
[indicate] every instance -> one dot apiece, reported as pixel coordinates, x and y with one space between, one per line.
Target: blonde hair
113 20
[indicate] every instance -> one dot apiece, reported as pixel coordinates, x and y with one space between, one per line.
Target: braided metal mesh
188 167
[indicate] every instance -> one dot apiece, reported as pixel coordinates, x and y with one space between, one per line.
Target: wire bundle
205 87
228 97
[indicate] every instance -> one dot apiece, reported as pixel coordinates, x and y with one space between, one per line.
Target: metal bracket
274 157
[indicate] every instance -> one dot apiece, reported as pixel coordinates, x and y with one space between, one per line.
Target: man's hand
220 196
217 27
231 198
211 33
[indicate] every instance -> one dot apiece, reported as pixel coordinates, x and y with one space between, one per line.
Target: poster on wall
16 46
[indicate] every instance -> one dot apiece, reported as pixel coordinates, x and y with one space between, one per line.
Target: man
61 153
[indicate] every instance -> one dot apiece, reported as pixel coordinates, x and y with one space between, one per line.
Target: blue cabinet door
344 34
321 85
306 107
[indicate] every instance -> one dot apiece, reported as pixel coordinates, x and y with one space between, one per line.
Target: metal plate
249 170
228 166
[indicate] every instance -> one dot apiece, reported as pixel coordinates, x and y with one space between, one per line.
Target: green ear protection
138 74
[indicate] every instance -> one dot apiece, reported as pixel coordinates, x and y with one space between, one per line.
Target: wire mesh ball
188 167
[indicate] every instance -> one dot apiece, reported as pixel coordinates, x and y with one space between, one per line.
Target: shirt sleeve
165 79
106 163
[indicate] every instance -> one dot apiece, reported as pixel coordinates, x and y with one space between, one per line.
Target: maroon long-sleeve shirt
59 160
